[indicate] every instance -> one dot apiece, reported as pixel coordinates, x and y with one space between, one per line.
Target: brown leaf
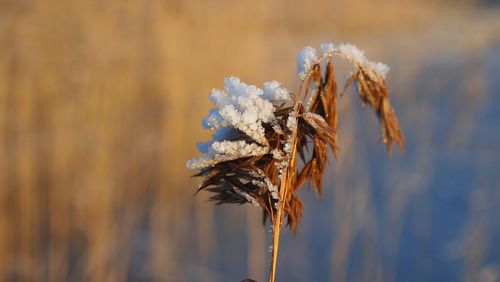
294 209
373 91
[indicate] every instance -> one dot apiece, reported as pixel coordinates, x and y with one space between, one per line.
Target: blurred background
100 107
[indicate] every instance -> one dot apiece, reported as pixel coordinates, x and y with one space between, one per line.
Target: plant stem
277 228
286 182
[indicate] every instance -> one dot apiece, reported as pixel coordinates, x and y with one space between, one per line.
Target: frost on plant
327 48
274 92
243 107
305 61
357 56
216 152
261 134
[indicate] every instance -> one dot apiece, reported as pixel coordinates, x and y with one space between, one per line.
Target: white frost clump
273 91
291 122
306 60
379 68
357 56
352 53
240 106
220 151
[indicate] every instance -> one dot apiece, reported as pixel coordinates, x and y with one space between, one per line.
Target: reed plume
259 134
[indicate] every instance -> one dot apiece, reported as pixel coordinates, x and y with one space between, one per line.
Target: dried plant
259 133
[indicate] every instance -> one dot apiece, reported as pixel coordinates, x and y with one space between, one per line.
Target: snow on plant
260 133
306 60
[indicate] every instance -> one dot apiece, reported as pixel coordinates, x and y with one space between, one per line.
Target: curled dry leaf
372 90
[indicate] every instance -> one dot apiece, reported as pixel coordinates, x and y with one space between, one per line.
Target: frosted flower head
239 108
244 107
306 59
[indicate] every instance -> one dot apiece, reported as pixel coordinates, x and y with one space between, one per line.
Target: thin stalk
277 229
286 182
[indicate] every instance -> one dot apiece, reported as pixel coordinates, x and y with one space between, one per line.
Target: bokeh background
100 107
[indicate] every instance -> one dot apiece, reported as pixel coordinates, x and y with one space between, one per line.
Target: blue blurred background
101 104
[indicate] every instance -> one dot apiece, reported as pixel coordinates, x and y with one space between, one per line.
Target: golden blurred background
100 107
